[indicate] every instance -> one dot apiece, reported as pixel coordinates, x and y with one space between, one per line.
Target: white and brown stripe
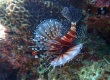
71 35
67 56
66 40
49 38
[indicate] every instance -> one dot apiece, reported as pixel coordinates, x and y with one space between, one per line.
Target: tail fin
72 14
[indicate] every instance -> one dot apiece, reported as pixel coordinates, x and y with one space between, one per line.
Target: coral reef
13 49
92 72
29 71
100 47
18 19
98 17
39 8
16 15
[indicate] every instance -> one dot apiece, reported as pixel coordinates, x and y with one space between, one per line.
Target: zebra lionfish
49 37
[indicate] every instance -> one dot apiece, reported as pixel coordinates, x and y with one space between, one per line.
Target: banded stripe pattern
67 56
53 37
49 38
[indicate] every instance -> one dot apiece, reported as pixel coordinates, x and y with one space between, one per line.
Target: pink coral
15 48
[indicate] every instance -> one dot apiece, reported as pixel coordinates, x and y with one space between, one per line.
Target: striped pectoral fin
72 32
66 39
55 48
62 42
67 56
69 37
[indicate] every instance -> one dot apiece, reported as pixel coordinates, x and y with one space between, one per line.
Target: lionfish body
49 37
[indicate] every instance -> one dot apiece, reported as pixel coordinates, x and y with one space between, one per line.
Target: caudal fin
72 14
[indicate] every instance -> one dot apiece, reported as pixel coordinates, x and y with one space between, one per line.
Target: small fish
49 37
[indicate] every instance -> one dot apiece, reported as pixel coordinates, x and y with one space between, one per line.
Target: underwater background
32 39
